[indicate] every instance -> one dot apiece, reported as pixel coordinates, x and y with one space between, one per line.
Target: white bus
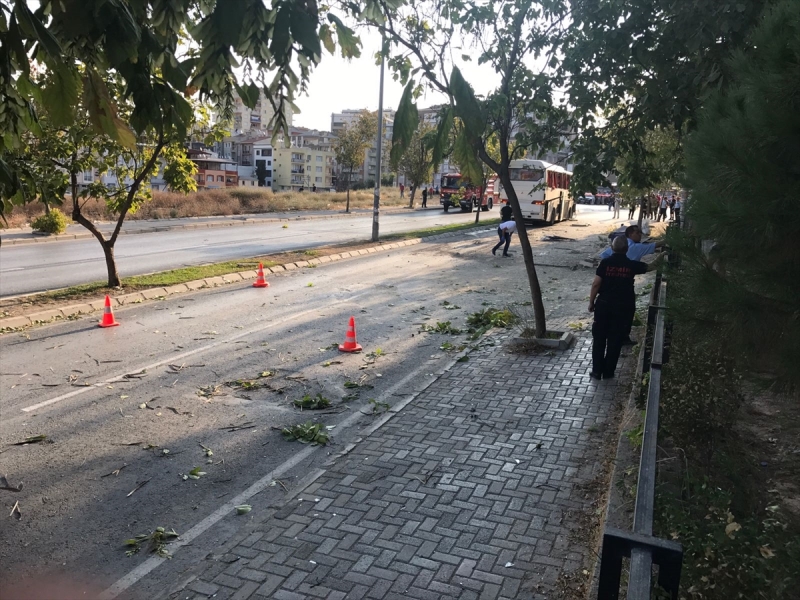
542 190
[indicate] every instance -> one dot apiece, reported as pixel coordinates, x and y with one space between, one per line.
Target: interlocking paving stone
481 470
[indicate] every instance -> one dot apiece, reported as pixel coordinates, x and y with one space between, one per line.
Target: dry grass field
231 201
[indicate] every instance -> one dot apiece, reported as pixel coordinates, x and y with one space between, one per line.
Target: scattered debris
328 363
158 542
243 509
275 482
316 403
307 433
508 565
246 425
267 374
207 451
34 439
195 473
245 384
209 391
464 358
139 486
137 375
378 406
15 512
445 328
5 485
115 472
556 238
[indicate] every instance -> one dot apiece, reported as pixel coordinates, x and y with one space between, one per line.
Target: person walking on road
662 209
613 302
676 210
504 232
402 190
616 201
506 213
425 197
632 207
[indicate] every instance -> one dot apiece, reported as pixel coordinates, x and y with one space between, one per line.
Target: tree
124 173
162 53
261 173
352 143
632 67
744 181
416 163
520 112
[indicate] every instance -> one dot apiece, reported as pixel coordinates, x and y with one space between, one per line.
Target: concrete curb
76 310
66 237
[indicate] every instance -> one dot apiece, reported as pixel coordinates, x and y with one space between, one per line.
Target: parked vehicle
457 190
542 189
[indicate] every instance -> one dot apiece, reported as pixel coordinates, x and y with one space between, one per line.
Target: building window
209 178
267 152
88 176
319 169
319 158
269 173
258 152
319 179
220 178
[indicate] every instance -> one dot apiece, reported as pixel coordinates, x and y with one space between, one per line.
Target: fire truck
467 196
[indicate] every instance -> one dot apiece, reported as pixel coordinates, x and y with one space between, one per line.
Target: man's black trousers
611 324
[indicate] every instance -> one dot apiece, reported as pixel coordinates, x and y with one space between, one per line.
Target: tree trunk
107 245
411 196
347 207
540 324
480 201
111 265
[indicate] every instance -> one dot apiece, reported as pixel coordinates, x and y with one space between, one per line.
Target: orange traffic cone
108 316
260 281
350 344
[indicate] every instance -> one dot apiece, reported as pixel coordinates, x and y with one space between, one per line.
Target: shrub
54 222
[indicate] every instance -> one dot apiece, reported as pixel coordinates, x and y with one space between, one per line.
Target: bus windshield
526 174
451 181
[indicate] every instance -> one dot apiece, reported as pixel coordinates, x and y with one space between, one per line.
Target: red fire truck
467 195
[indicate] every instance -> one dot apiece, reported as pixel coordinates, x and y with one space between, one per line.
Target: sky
337 84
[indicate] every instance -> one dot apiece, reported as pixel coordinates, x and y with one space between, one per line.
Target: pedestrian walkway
475 489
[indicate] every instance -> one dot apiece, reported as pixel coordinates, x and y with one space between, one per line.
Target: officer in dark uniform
614 307
506 214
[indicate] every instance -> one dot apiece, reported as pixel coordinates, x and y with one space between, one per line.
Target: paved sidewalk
475 489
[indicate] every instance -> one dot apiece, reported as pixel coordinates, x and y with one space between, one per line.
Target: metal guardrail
640 546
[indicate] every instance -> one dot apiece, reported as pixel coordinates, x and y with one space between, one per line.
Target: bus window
526 174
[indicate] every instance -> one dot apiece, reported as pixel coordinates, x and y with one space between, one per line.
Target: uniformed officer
613 302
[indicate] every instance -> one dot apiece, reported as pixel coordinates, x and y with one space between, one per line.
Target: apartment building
305 161
257 119
368 168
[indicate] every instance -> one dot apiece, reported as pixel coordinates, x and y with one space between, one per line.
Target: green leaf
327 38
281 40
303 24
349 43
406 120
61 96
34 27
243 509
465 156
103 113
442 135
467 107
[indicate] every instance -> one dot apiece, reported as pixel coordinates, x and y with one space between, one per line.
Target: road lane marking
176 357
228 508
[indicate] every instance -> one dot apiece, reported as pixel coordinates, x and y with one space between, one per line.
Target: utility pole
376 202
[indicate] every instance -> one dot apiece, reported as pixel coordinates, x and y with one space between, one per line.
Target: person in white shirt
636 249
616 207
676 210
504 231
662 209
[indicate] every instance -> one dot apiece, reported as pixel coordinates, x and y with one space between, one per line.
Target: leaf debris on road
158 542
115 472
245 425
15 512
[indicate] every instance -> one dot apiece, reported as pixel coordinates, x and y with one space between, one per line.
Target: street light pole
376 202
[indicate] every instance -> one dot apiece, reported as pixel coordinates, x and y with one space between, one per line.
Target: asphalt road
128 411
30 268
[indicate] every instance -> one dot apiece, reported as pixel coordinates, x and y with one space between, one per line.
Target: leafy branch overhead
163 54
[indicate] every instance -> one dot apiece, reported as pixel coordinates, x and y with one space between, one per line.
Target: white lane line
176 357
12 269
227 509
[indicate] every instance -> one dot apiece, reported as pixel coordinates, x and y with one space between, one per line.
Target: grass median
15 306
